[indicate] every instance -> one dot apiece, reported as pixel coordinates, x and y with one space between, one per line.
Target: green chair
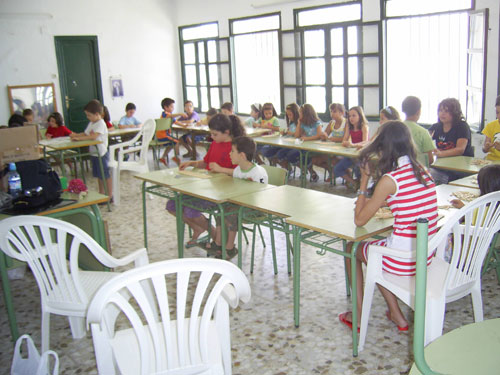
162 124
471 349
276 176
493 258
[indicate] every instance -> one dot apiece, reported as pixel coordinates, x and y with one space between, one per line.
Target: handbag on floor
34 363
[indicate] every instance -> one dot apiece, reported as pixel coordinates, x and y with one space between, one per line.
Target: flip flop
213 249
192 243
343 320
230 254
400 329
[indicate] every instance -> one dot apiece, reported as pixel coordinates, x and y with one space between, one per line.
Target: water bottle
15 188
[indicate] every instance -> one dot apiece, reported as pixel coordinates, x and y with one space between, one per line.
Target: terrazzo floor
264 338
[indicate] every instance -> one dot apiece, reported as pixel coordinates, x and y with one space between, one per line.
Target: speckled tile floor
264 338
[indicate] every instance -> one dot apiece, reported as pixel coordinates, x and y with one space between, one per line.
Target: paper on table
196 173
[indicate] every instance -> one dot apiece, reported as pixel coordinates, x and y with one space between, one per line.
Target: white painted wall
137 39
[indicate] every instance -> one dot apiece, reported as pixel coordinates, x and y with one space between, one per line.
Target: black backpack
41 185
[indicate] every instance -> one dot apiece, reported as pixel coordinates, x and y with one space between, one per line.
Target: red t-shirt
109 124
60 131
219 153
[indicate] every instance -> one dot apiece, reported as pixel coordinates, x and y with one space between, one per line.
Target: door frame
58 40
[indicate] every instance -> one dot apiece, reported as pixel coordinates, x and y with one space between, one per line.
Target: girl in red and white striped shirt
410 193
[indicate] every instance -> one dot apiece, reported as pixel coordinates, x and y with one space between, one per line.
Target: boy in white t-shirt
242 154
97 130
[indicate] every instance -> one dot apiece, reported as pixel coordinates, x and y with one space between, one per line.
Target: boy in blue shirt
129 121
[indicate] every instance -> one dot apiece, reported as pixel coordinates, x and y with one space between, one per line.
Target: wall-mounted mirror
40 98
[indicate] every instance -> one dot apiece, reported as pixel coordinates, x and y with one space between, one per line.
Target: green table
218 191
460 164
63 144
305 148
468 182
88 206
161 183
313 216
314 222
471 349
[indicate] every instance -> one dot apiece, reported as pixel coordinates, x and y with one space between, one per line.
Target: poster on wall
116 87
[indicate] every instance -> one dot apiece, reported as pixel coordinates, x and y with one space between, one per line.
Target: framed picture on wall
116 87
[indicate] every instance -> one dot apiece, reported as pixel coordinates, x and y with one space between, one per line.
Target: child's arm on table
214 167
200 164
366 208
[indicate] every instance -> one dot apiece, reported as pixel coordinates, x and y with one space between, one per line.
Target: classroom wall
137 41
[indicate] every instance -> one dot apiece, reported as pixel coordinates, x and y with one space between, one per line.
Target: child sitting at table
292 121
242 153
204 121
334 132
269 121
129 121
255 113
488 181
56 127
189 117
222 130
29 115
97 130
107 118
356 135
491 131
399 176
166 135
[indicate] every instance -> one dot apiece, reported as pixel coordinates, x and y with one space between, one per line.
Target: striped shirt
411 201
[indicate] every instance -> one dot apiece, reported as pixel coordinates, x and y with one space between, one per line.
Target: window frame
300 56
234 86
469 12
219 62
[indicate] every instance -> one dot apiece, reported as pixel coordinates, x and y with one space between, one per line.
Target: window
256 61
332 62
436 56
205 66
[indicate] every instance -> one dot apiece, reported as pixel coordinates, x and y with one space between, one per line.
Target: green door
79 77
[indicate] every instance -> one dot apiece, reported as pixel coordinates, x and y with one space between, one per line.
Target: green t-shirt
273 121
422 140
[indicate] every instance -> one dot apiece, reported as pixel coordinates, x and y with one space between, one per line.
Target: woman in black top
452 136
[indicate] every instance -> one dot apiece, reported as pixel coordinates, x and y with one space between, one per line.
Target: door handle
67 101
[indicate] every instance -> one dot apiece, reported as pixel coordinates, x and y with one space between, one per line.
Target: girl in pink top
410 193
355 135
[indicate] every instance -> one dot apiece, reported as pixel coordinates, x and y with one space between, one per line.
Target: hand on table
457 203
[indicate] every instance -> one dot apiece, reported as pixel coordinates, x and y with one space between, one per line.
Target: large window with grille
256 67
435 50
325 62
206 66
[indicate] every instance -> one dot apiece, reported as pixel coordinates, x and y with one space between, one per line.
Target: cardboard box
19 144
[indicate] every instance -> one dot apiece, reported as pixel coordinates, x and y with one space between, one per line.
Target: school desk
468 182
63 144
463 164
116 132
88 206
161 183
218 191
305 148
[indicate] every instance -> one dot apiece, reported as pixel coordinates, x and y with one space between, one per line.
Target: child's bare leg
199 225
165 153
395 313
109 183
101 186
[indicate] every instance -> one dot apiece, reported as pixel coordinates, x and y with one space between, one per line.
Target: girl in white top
334 132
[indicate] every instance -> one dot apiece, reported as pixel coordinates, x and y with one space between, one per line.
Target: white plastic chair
33 363
42 242
446 282
183 330
140 165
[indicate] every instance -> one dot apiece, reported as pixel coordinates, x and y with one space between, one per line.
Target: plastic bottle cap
12 166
